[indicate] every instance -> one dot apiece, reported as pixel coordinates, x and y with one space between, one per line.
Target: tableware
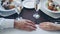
19 9
28 4
47 11
36 15
4 12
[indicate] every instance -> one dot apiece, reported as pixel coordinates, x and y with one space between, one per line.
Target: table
38 31
28 14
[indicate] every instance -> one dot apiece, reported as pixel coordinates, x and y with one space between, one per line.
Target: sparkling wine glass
18 10
36 15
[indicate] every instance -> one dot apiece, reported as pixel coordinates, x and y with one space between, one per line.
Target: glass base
36 16
19 18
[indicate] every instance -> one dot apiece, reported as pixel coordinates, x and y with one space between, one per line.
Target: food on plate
53 6
11 6
6 4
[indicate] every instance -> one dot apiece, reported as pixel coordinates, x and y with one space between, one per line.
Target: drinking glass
36 15
18 9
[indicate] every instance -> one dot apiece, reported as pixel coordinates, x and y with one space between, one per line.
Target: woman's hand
49 26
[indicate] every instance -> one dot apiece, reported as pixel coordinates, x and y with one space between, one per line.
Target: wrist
58 27
15 23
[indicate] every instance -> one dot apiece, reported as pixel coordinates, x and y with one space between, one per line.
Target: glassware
18 9
36 15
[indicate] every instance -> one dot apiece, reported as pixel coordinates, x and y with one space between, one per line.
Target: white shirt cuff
7 23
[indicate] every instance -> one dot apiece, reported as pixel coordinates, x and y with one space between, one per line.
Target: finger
25 28
44 28
28 29
47 26
30 22
51 26
42 24
31 28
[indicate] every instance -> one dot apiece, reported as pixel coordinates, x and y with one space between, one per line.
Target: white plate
28 4
46 11
4 12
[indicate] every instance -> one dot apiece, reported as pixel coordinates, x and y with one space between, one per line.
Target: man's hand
48 26
24 24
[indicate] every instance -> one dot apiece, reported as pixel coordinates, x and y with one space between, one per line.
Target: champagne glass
36 15
56 22
18 9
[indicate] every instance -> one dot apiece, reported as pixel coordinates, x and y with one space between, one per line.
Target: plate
46 11
4 12
28 4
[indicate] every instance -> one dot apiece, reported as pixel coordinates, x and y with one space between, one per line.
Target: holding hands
28 25
25 24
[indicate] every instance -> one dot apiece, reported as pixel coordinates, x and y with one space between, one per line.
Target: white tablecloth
38 31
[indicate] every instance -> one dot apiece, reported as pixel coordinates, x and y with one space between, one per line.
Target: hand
48 26
25 25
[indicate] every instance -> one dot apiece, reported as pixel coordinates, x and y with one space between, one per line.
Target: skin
49 26
24 24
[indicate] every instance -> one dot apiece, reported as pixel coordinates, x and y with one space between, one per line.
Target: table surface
38 31
28 14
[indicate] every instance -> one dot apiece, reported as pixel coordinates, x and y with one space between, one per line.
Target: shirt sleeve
6 23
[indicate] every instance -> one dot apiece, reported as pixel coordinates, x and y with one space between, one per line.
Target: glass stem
36 8
18 16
